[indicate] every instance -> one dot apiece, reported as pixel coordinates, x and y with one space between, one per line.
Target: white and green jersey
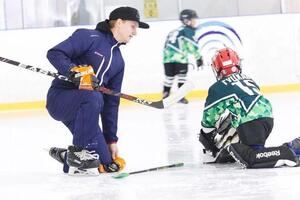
240 95
179 44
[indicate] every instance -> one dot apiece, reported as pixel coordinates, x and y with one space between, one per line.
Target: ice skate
58 154
82 161
74 171
82 158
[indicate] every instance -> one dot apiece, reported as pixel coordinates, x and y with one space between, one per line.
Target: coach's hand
83 77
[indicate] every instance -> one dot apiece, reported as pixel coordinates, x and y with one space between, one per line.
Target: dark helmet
187 14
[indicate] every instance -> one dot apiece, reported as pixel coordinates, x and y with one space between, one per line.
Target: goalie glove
217 138
217 146
207 140
83 77
116 165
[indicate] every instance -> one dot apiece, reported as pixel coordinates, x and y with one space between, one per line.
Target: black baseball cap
127 13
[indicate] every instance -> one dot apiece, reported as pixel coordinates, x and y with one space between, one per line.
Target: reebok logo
268 154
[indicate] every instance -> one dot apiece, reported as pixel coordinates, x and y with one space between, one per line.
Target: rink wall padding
268 44
194 95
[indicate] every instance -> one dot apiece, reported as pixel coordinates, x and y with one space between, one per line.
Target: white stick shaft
179 94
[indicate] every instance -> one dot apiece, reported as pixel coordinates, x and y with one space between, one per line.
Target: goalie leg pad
265 158
294 145
224 157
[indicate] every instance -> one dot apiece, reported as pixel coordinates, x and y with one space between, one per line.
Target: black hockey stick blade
182 91
124 174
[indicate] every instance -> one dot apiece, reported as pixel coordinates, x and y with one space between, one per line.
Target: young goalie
238 119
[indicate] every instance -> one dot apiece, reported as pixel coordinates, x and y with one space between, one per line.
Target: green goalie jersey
179 44
240 95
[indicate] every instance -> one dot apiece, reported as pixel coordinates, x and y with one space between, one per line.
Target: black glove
207 140
200 62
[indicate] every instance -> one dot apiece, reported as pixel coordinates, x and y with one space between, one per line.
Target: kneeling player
250 115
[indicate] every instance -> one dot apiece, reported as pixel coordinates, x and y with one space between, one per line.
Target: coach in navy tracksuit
80 109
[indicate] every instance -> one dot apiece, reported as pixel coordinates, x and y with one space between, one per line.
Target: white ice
147 138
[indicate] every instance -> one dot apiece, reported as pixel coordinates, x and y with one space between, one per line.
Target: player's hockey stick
180 93
124 174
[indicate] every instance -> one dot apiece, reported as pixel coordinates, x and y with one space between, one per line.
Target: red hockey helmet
225 62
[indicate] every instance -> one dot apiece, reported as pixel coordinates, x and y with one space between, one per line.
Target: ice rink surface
147 138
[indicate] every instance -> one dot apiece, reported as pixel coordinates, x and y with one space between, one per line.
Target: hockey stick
124 174
181 92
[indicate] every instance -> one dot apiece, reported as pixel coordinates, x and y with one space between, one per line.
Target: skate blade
73 171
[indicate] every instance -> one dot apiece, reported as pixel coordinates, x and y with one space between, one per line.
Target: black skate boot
82 161
58 154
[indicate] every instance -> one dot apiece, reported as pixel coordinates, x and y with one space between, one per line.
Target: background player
180 43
